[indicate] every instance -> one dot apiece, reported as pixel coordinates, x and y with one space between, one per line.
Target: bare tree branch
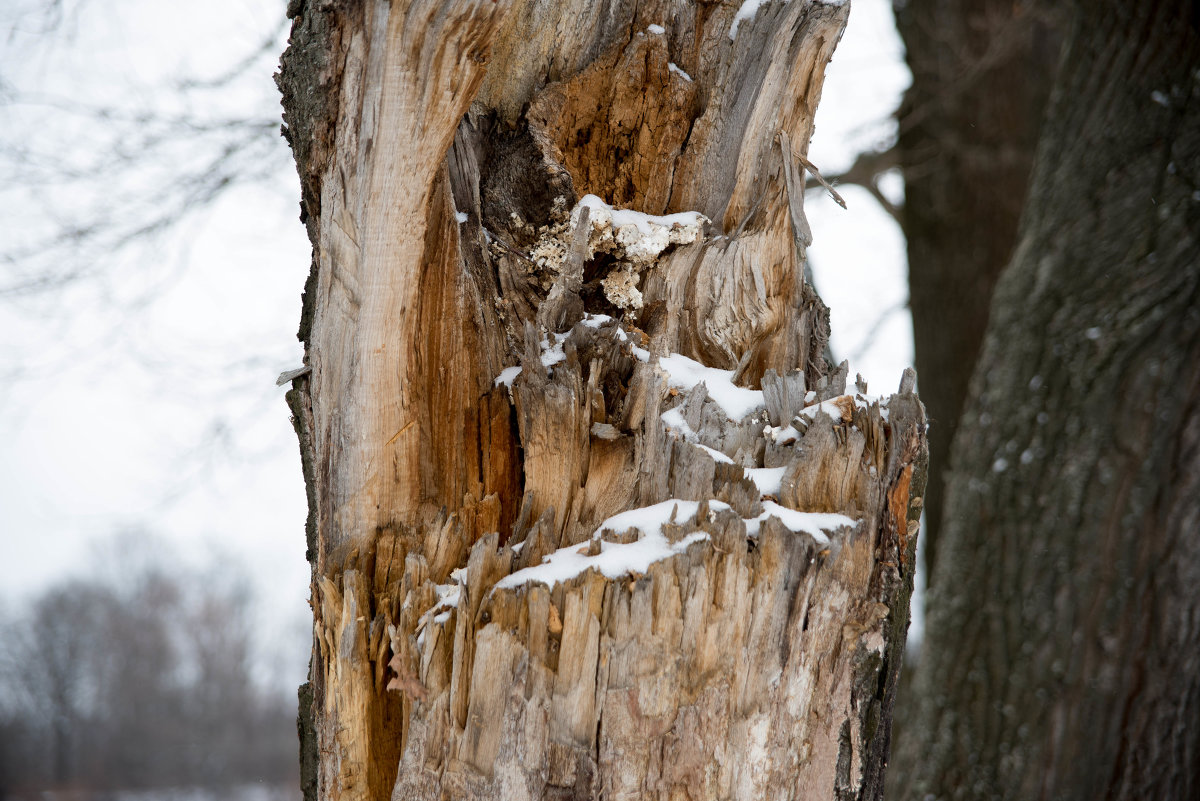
864 172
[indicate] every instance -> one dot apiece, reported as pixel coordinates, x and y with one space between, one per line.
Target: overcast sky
140 393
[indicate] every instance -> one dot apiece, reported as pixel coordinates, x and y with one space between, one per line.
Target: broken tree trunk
589 513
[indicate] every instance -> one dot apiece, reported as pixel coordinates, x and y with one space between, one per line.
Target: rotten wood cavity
443 150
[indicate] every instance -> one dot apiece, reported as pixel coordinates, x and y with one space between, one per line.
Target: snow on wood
673 67
816 524
616 559
635 236
684 373
673 419
486 396
713 452
747 11
507 375
767 479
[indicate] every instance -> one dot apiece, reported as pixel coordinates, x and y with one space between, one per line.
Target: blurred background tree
149 273
142 676
150 269
968 126
1062 654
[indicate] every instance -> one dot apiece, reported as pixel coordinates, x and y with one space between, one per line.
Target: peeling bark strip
561 546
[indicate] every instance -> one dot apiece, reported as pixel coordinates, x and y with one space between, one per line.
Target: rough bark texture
443 149
1063 650
969 124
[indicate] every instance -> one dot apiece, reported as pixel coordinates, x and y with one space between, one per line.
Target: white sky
165 416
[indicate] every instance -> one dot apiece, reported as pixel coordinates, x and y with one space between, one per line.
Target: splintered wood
591 516
740 667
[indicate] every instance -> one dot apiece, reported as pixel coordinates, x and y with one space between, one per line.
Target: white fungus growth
620 287
635 239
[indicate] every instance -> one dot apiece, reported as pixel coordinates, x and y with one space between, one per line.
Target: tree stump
590 514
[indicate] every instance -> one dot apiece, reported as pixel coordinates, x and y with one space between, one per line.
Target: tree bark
1062 657
447 152
969 124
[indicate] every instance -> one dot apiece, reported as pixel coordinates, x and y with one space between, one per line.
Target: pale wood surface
739 668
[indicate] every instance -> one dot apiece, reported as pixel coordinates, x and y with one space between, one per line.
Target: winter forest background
153 616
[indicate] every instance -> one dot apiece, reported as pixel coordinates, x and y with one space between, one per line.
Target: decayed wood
444 149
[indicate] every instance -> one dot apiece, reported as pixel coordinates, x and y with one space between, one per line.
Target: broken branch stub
580 527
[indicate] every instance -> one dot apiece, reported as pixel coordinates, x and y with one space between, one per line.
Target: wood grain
442 146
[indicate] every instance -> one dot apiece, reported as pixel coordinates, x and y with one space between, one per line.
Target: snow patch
507 376
552 352
596 320
618 558
769 480
449 596
746 12
715 454
839 407
673 420
830 407
749 9
781 435
815 524
684 374
673 67
634 236
658 30
461 216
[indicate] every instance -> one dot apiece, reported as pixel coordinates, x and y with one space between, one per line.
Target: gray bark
969 123
1062 657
